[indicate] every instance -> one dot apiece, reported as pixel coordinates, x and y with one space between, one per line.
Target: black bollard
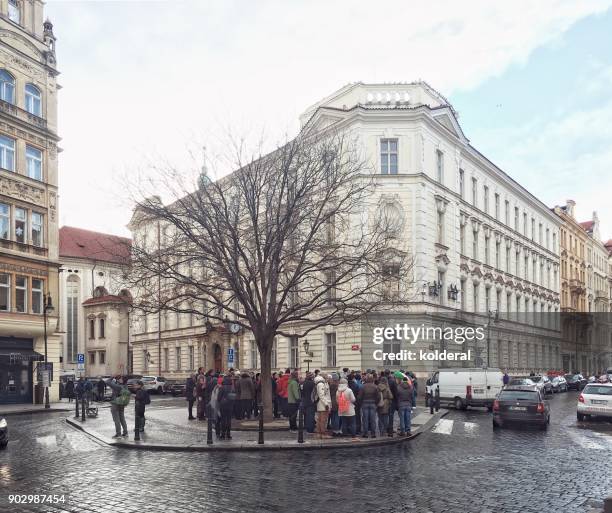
209 437
76 410
136 428
261 427
430 400
300 424
82 410
437 399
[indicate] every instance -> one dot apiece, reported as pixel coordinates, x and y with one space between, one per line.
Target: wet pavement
460 465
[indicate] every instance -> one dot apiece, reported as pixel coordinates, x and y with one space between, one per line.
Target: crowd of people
346 403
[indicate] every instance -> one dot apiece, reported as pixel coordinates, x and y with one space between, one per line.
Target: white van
463 387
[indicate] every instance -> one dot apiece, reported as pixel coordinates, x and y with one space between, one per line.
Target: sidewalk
25 409
168 429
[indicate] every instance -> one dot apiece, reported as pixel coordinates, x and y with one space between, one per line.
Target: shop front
17 359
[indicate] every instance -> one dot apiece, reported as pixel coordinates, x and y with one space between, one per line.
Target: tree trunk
265 355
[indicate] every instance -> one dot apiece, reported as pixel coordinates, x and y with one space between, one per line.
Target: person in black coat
101 388
189 395
393 404
70 390
307 403
226 398
142 399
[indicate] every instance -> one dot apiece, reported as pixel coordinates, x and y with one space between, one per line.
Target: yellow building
28 201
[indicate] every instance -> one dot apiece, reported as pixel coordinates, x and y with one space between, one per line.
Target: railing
22 114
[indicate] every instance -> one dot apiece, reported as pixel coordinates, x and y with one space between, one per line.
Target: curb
253 447
31 412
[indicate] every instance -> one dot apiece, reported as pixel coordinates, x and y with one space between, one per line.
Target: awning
17 355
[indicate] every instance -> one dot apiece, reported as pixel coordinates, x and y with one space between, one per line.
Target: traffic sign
230 355
81 358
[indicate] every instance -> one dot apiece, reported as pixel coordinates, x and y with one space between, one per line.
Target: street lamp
308 353
47 308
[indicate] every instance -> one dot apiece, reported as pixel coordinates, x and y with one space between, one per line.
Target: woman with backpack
346 408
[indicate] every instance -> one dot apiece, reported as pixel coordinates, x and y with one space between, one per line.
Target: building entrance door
218 357
15 381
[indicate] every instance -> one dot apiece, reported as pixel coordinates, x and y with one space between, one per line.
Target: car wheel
459 404
580 417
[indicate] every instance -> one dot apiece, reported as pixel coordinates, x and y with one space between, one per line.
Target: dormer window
14 12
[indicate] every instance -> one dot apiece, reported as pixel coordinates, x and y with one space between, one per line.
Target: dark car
174 387
131 384
3 434
521 405
575 381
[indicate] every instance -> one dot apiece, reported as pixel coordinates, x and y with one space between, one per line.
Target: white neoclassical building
486 250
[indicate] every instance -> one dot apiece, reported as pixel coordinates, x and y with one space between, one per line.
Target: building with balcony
94 304
28 200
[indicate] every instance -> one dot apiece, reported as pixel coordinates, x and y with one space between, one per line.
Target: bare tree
288 243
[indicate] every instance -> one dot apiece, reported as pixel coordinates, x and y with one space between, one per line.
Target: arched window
7 86
72 317
32 100
102 330
14 11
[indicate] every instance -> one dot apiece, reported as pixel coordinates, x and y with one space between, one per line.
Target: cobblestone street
459 465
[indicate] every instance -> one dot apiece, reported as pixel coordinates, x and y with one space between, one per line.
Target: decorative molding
21 191
23 269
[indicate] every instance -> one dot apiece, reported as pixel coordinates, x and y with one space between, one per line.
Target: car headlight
3 423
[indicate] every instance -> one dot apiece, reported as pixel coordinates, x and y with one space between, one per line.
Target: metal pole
261 425
76 403
83 407
438 399
300 424
46 364
209 437
136 427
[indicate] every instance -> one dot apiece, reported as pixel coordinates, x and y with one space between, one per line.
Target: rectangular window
253 354
13 11
92 328
102 357
463 293
486 199
497 256
533 231
507 259
294 352
440 227
475 245
497 206
191 358
475 192
516 264
475 297
516 218
34 163
5 221
440 166
274 356
507 212
102 332
37 229
37 296
166 359
388 156
177 358
486 248
554 245
540 236
5 292
330 349
487 299
7 153
20 225
462 184
92 358
525 224
21 294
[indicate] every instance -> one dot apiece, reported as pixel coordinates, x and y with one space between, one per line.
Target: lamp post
47 308
308 353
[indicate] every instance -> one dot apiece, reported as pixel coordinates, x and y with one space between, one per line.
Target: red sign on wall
355 347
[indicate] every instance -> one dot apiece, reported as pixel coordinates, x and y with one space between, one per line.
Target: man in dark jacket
70 390
368 397
393 403
189 395
404 406
308 405
101 386
142 399
245 392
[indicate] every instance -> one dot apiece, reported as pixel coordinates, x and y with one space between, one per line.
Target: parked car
3 433
520 382
595 400
575 381
604 378
559 384
521 405
543 383
154 384
175 387
463 387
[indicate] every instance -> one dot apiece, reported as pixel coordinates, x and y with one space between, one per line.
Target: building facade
486 250
28 201
94 305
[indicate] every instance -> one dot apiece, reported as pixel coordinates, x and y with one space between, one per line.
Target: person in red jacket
282 389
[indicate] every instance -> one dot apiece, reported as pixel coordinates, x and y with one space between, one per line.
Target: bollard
136 428
608 505
437 399
76 411
431 403
261 427
209 437
300 424
82 410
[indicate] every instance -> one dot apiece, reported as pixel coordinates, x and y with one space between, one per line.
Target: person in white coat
324 403
346 408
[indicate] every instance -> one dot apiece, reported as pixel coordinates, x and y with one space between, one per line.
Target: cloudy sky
532 82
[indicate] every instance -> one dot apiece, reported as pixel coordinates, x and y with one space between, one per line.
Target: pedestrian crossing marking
443 427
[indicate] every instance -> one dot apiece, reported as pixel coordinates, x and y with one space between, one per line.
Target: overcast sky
531 82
